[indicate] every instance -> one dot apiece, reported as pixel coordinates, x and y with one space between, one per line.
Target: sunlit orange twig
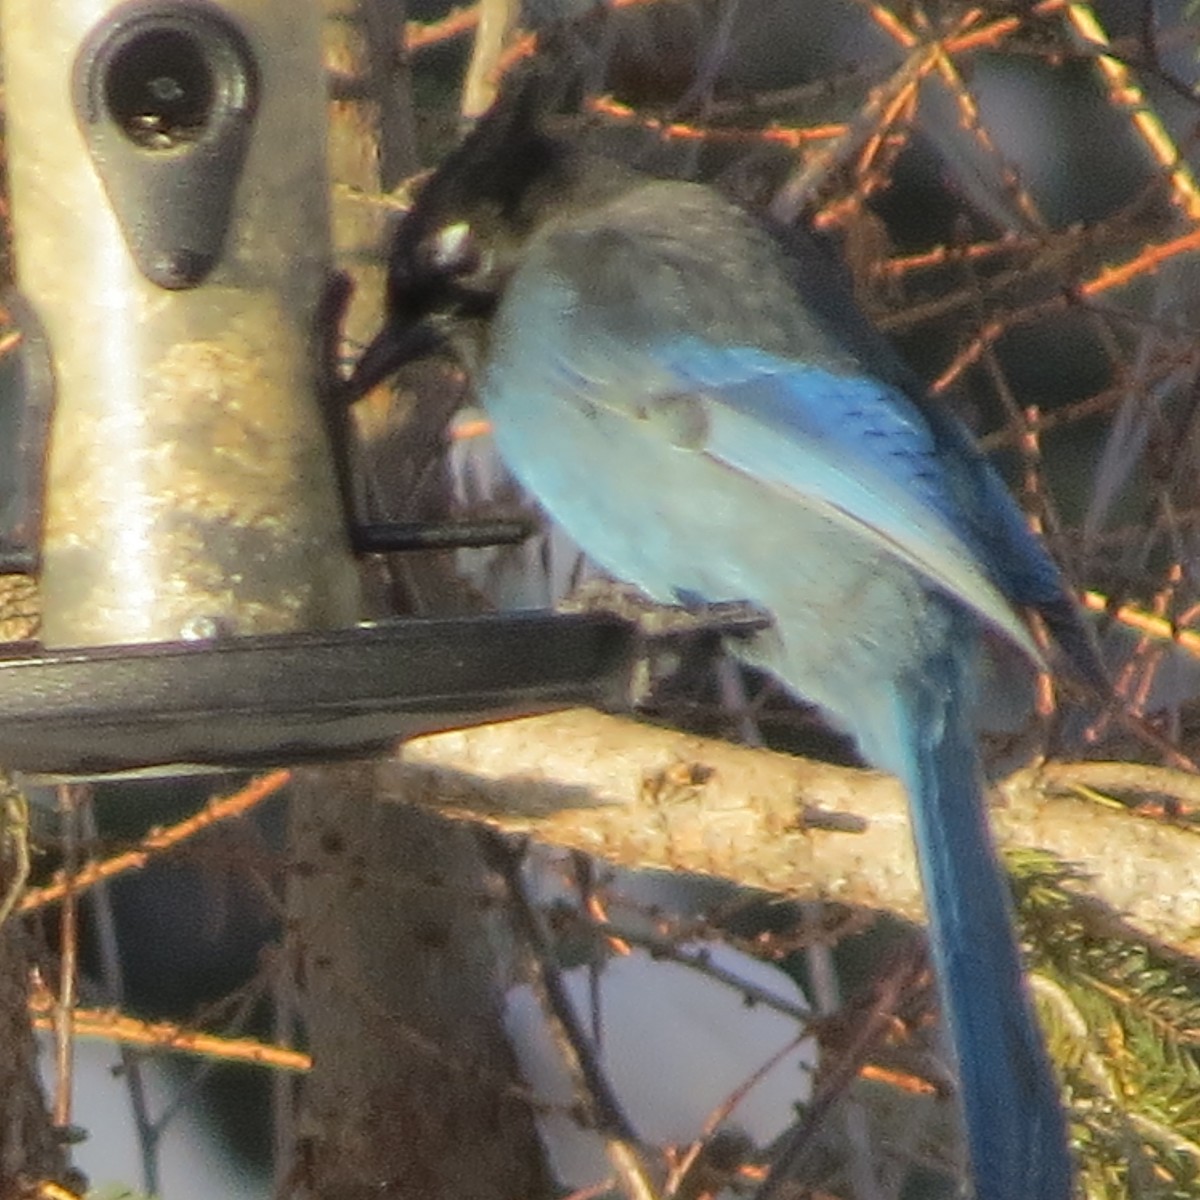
1125 93
1149 260
71 796
893 26
1145 262
165 1035
970 120
884 105
793 137
468 430
420 35
157 841
599 914
902 1080
942 256
994 32
1152 625
44 1189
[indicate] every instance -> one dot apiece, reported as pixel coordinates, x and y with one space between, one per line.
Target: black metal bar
398 536
276 699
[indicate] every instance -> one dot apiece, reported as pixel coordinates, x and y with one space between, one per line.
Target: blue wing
852 446
847 448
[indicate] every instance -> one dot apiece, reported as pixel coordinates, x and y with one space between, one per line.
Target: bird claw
726 618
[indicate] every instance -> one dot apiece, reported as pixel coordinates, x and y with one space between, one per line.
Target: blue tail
1015 1126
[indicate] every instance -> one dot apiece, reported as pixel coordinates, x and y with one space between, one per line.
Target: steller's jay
694 397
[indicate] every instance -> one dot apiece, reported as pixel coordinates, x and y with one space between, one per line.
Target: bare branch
641 796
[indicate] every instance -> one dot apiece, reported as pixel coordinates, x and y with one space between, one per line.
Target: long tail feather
1011 1100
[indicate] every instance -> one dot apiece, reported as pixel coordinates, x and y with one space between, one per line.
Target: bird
692 394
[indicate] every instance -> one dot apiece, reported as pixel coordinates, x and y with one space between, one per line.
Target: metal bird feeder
171 469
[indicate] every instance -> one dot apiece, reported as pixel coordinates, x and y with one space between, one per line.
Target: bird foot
726 618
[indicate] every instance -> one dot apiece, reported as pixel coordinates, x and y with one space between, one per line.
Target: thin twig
600 1103
69 796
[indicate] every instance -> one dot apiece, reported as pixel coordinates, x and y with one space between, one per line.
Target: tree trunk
413 1091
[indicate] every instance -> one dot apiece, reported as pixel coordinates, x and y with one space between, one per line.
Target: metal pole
169 206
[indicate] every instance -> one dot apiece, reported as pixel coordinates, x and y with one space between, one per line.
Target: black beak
393 346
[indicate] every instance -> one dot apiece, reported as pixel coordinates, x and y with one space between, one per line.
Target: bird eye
452 250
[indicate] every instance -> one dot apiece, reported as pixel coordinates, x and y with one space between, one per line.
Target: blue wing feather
847 446
850 443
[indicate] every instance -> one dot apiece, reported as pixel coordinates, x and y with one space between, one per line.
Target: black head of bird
453 252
